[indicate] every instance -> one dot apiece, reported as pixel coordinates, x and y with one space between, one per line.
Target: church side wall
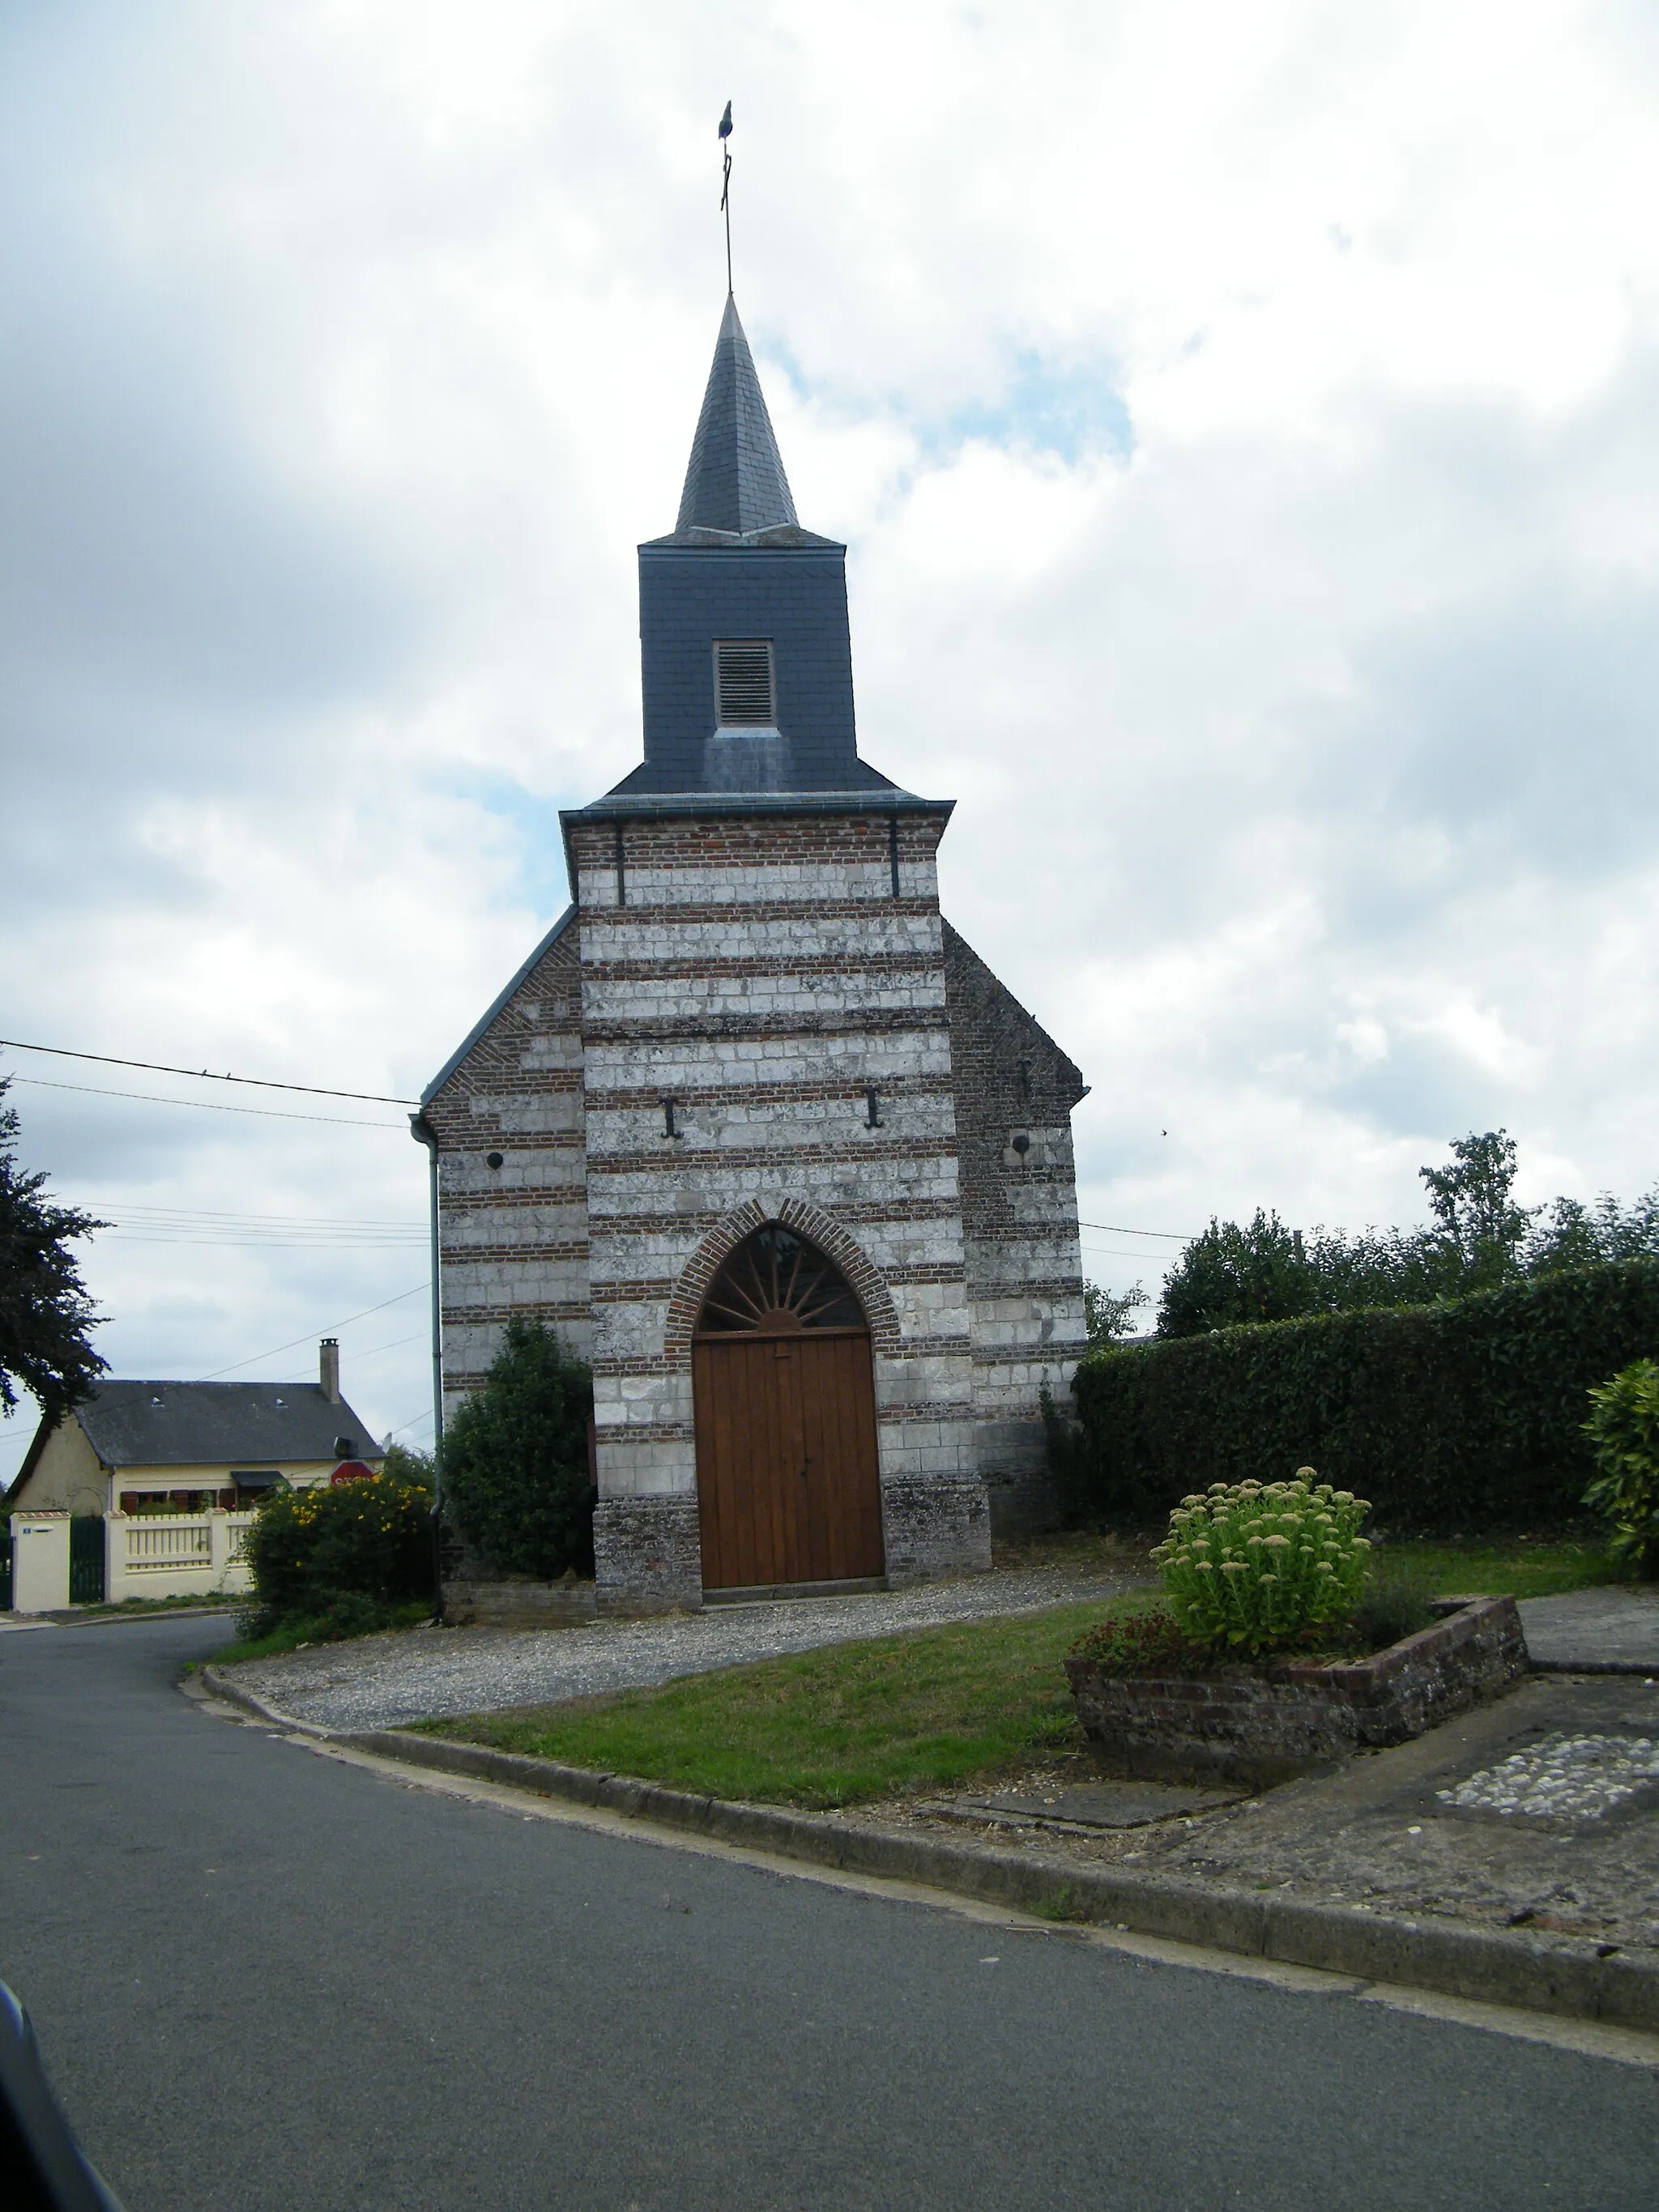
760 972
513 1239
1024 1269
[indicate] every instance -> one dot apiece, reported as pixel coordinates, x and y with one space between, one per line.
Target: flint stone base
647 1555
515 1601
1261 1724
933 1530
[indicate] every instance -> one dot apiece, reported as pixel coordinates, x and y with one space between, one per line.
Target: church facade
753 1128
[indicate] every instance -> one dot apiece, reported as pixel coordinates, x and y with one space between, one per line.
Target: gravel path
384 1681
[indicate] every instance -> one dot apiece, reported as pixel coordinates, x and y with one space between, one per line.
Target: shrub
1624 1430
309 1549
515 1459
1395 1603
1142 1643
1470 1411
1248 1568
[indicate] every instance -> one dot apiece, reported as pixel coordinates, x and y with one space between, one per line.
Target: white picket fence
178 1554
178 1542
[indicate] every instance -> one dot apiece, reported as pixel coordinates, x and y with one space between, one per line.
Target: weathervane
726 189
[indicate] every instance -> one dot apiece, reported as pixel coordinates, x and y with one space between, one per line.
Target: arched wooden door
788 1487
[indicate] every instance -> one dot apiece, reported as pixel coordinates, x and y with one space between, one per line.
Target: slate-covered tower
753 1128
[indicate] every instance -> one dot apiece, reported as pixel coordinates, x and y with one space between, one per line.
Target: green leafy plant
1624 1432
515 1475
1465 1414
309 1550
1142 1643
1251 1568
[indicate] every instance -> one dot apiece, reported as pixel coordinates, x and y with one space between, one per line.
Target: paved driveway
269 1981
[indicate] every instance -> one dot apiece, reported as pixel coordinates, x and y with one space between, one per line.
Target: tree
1480 1227
515 1461
46 1313
1109 1320
1575 1235
1231 1275
402 1463
1478 1238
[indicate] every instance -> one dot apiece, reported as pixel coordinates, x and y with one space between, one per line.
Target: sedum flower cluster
1250 1565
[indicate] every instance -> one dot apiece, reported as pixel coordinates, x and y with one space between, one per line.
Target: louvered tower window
743 684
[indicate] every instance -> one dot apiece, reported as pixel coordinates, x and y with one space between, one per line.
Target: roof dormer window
743 693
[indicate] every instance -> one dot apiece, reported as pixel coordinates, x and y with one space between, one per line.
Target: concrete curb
1565 1974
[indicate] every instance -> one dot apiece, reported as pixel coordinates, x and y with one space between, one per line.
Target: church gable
506 1112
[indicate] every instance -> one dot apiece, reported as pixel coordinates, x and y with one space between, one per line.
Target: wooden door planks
787 1473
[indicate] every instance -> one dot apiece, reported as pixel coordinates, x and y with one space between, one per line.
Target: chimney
328 1364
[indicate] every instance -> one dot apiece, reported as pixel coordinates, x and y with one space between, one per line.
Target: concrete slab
1613 1630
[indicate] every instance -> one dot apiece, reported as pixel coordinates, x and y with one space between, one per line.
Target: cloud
1242 423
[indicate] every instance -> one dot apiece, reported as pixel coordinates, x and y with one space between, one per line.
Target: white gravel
1563 1777
423 1673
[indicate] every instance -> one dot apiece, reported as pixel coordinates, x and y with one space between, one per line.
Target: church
753 1128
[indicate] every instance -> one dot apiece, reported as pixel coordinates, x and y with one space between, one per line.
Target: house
139 1448
753 1127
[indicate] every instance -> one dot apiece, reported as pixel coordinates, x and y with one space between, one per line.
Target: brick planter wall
1264 1723
518 1602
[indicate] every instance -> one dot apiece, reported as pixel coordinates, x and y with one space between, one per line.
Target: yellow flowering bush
370 1541
1250 1565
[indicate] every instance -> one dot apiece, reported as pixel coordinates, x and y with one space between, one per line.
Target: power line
1116 1229
328 1330
211 1105
179 1225
205 1074
358 1358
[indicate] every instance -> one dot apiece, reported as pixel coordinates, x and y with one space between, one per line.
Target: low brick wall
518 1603
1264 1723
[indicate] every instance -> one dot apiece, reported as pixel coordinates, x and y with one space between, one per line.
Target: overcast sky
1243 420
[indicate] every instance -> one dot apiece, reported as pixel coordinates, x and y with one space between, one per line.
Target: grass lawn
1517 1567
902 1715
854 1720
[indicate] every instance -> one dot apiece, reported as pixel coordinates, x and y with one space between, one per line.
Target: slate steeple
746 663
736 482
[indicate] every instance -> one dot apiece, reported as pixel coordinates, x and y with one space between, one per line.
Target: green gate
86 1560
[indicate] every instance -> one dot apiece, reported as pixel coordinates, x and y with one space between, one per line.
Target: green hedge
1468 1413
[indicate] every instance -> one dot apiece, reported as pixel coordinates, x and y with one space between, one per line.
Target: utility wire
161 1068
329 1330
1116 1229
212 1105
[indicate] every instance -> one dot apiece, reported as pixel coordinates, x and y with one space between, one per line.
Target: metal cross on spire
726 189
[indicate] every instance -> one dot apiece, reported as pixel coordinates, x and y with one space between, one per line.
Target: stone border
1265 1722
1564 1975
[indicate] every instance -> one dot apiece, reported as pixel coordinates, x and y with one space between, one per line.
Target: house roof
135 1425
735 483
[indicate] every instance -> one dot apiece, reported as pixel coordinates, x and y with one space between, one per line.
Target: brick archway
809 1221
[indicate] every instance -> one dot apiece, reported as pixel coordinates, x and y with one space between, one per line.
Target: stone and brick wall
513 1238
1015 1090
758 971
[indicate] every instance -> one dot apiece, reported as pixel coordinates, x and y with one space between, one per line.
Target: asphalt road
267 1979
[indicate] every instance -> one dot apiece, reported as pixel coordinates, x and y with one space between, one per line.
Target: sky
1241 417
